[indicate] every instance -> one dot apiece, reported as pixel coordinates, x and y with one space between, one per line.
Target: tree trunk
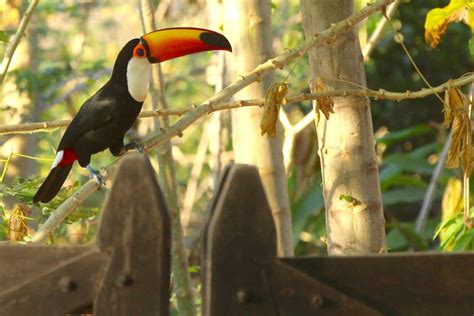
248 24
354 214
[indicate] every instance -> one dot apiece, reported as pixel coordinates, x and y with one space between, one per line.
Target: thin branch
431 191
192 184
16 40
211 104
375 36
376 94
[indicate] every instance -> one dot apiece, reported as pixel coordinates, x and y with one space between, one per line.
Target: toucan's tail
52 184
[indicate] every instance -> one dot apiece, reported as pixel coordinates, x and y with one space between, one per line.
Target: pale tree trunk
248 24
354 214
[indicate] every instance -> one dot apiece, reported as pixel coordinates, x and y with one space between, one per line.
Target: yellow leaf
437 19
452 202
274 99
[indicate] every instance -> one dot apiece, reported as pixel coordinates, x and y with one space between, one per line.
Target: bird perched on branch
105 117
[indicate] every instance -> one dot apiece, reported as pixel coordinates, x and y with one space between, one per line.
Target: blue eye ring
140 52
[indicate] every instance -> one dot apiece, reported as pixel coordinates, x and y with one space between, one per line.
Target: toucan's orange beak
175 42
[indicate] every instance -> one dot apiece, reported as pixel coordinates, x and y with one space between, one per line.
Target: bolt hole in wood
67 285
125 280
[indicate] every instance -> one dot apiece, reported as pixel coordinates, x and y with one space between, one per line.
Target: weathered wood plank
297 293
400 284
19 263
239 241
241 274
135 229
67 286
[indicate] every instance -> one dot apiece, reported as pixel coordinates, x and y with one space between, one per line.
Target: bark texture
354 214
248 24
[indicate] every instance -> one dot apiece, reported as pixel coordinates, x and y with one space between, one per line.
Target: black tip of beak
215 39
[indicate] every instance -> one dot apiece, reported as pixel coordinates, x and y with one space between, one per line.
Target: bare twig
430 192
191 186
210 105
375 36
16 40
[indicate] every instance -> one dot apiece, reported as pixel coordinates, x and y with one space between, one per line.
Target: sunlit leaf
3 37
452 202
437 19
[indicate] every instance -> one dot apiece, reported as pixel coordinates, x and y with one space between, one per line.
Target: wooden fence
127 271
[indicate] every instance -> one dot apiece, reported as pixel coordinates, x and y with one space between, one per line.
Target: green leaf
396 241
463 243
445 224
451 232
308 205
3 37
404 134
471 47
406 195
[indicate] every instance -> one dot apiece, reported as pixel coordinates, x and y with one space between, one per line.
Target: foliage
437 19
455 235
22 191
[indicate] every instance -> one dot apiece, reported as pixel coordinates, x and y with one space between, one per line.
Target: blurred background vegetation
68 53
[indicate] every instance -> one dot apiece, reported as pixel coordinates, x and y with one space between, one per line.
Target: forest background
68 52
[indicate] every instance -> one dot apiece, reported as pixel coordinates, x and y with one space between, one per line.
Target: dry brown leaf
456 114
324 104
274 99
17 227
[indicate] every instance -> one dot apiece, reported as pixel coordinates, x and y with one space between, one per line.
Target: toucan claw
134 145
93 174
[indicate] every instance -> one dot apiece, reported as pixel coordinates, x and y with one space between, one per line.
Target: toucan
106 116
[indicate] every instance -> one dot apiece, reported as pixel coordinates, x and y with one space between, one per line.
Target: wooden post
135 231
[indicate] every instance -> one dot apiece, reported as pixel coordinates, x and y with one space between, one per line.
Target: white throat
138 78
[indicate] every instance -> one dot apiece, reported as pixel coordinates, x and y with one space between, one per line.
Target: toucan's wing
95 113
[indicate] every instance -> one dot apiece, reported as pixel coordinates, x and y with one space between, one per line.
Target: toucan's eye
140 52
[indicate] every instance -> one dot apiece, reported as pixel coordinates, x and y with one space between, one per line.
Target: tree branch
16 40
375 36
376 94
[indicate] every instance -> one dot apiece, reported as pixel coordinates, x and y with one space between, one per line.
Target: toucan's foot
96 176
134 145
